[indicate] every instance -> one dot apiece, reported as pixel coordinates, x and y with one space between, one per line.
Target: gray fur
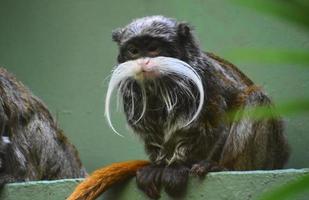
215 140
37 148
157 26
210 137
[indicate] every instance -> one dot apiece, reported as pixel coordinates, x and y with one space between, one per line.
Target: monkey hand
173 178
148 179
6 178
202 168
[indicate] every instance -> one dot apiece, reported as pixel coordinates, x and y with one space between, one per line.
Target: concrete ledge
216 186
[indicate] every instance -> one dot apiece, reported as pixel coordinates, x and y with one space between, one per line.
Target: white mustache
163 66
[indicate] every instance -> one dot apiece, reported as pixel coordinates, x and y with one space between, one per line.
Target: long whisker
165 66
186 90
166 98
144 103
186 71
120 73
122 86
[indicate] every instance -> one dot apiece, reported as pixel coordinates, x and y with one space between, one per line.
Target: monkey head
155 70
155 36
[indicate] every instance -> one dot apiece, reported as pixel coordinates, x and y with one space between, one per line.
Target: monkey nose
144 62
147 69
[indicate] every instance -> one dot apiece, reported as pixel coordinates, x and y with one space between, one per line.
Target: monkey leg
211 164
253 143
263 148
149 180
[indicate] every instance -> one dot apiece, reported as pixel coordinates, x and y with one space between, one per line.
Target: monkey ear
117 34
184 30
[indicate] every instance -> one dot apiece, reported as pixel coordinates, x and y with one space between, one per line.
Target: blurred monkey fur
32 146
176 98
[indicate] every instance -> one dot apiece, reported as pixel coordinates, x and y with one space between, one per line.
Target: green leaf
273 56
264 112
292 10
289 190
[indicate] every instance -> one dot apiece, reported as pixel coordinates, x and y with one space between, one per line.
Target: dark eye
133 50
153 48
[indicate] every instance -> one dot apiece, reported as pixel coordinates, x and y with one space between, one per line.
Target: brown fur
38 149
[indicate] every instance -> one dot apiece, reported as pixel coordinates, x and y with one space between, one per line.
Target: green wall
217 186
62 50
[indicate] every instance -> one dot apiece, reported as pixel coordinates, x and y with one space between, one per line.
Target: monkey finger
202 168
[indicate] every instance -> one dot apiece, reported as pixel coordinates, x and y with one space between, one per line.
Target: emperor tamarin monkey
176 98
32 146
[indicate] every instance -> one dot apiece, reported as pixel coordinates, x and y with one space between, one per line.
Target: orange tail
102 179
